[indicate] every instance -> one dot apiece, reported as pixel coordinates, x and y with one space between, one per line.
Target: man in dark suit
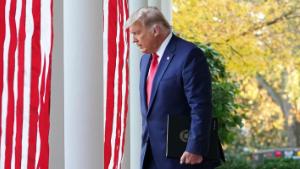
174 80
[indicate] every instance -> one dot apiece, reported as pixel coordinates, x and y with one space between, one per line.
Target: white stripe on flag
27 83
46 36
17 20
18 23
122 111
40 94
45 43
124 73
105 57
38 136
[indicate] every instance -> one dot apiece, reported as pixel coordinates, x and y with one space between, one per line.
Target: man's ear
156 29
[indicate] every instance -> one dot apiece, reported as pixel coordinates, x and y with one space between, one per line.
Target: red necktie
151 75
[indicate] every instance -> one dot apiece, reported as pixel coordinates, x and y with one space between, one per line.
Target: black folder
177 136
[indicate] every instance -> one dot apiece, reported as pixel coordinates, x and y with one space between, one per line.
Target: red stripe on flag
34 89
111 43
11 70
120 81
2 37
45 116
114 133
20 101
45 124
42 104
37 98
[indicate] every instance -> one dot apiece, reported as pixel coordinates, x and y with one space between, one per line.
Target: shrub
279 163
224 93
237 163
242 163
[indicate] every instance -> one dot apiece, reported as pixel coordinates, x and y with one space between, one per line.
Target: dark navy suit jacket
182 86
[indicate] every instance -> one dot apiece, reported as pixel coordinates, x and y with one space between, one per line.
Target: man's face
143 37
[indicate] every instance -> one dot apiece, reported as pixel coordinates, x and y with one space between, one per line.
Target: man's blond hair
148 16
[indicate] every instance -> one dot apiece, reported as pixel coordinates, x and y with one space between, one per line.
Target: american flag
26 36
116 79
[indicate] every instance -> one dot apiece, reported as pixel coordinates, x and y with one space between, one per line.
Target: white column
135 122
156 3
83 84
133 142
77 96
166 8
56 139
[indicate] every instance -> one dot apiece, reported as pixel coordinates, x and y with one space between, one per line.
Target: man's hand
189 158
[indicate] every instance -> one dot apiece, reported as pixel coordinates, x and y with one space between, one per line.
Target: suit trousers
149 161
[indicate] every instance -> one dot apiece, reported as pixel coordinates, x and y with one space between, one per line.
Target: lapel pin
168 58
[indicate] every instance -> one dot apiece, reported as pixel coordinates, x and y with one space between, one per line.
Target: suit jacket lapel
144 73
162 67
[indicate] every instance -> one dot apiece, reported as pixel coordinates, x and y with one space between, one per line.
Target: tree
260 42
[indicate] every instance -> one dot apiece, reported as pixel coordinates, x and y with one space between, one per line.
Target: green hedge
277 163
224 93
236 162
280 164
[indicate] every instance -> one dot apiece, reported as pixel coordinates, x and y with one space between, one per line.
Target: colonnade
77 95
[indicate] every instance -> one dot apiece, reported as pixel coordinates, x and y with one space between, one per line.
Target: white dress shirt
163 46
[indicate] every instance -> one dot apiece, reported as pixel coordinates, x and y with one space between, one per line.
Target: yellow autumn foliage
249 35
255 37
